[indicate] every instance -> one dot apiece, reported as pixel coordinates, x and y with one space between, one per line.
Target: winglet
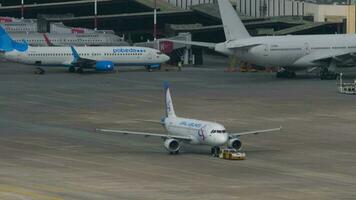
75 53
168 101
166 86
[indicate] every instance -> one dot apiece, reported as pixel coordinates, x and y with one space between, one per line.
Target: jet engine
235 143
104 66
172 145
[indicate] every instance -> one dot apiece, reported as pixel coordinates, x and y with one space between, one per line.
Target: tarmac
49 150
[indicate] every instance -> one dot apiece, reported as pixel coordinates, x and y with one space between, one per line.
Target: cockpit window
218 131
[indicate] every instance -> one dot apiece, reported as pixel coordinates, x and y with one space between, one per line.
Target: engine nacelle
104 66
172 145
155 66
235 143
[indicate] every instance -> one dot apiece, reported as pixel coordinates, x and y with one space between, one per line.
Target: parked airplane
68 39
25 25
291 53
191 131
79 58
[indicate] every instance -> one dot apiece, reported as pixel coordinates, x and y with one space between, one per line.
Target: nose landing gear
326 74
215 151
39 71
286 74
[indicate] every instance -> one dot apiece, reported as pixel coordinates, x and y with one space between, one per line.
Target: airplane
197 132
68 39
101 58
291 53
25 25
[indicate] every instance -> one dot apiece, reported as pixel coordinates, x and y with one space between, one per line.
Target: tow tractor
232 154
346 88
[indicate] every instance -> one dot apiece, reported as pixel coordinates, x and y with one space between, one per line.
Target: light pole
155 22
96 14
22 9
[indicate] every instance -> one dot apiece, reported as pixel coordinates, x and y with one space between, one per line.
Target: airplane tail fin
47 40
233 27
169 104
8 44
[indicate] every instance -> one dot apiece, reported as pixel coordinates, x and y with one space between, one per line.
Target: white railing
185 4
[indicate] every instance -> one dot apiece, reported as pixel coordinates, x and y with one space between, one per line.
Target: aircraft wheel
325 74
215 151
39 71
71 69
286 74
174 152
80 70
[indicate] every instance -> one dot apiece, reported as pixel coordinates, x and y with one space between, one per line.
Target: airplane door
266 50
18 57
150 55
306 48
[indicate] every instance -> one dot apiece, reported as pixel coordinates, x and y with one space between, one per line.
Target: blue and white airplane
101 58
191 131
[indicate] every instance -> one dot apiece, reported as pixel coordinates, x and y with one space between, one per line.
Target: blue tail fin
8 44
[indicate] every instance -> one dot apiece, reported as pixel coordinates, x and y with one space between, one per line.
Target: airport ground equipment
346 88
232 154
197 132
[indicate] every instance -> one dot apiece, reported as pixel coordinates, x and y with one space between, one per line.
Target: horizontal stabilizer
199 44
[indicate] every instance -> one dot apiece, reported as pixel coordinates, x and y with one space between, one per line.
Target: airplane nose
222 139
165 58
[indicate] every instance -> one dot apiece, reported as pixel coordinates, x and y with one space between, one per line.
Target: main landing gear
71 69
148 68
325 74
286 74
80 70
39 71
215 151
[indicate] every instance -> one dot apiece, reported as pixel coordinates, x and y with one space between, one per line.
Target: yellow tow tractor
232 154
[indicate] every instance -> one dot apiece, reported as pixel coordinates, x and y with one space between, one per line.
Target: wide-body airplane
79 58
69 39
191 131
290 53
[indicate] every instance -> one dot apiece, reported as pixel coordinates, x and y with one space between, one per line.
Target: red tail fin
48 42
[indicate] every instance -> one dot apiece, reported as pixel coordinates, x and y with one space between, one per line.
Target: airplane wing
240 46
200 44
233 135
150 121
341 58
165 136
230 45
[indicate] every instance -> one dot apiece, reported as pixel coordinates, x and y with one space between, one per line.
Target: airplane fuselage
69 39
201 132
291 51
59 56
